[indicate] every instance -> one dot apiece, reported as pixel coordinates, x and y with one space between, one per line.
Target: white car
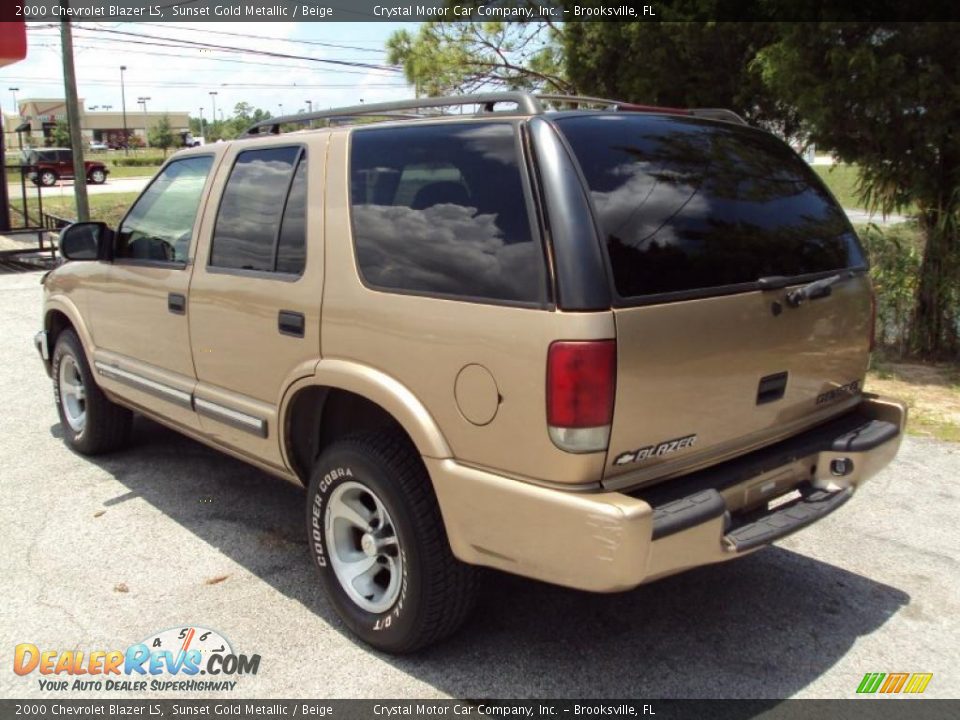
99 146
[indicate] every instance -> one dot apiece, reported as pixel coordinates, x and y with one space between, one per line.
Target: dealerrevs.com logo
894 683
184 659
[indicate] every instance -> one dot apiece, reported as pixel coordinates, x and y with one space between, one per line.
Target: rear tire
91 423
372 515
97 177
48 178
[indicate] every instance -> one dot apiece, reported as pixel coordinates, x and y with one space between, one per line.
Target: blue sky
181 78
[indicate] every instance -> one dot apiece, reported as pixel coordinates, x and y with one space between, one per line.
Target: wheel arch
60 315
343 397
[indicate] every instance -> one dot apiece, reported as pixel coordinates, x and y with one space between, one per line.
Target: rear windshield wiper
814 290
811 291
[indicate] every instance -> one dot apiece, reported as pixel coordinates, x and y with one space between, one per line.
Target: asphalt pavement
102 553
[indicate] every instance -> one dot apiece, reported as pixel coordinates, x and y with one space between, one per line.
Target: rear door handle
177 303
290 323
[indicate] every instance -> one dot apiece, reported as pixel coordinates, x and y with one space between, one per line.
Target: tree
679 64
162 135
60 135
451 57
886 96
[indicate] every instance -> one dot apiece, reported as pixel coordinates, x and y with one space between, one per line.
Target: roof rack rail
580 100
525 102
718 114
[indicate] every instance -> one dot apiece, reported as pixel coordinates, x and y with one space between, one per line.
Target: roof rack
526 103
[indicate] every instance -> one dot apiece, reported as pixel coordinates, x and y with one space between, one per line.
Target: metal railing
523 103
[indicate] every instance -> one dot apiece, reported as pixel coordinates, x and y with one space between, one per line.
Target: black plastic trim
811 506
687 512
771 388
866 437
291 323
851 432
581 274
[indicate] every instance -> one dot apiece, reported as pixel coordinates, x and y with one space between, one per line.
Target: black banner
473 10
859 709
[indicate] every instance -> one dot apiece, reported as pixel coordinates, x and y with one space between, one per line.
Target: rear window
688 206
442 210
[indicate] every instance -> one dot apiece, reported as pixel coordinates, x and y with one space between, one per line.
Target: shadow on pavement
764 626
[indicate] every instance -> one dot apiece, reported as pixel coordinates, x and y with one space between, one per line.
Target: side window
441 209
291 246
160 224
261 220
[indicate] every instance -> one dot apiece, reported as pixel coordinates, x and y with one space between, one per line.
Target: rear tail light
873 319
581 385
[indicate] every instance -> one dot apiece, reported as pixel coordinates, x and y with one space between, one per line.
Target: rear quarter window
686 206
443 210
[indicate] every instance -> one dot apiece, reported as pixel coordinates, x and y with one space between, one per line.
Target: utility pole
146 133
73 116
123 100
213 96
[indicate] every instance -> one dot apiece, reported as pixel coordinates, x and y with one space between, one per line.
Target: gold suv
578 340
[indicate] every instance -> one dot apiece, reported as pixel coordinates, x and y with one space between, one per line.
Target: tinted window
160 224
686 205
248 221
442 209
291 247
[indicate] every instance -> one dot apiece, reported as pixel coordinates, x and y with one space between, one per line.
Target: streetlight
143 101
309 105
16 108
201 123
281 109
213 96
123 99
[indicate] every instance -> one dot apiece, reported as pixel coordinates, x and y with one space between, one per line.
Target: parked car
47 165
591 347
97 146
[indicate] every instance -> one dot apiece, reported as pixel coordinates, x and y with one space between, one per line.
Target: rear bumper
613 541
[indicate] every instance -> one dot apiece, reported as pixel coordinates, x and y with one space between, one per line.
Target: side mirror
85 241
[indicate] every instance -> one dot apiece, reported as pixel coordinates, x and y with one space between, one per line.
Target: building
38 117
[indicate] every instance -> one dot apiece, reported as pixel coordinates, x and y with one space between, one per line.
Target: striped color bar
894 683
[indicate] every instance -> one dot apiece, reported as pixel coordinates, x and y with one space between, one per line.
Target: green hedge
895 252
137 162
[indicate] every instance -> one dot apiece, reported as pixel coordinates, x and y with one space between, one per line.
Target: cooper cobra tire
91 423
376 534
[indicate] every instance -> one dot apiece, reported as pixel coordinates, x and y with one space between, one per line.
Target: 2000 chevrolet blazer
592 347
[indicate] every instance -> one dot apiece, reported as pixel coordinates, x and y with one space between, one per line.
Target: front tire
91 423
48 178
376 534
98 177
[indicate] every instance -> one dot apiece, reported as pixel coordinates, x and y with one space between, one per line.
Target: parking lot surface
103 553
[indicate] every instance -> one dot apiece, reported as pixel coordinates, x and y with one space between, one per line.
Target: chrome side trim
228 416
138 382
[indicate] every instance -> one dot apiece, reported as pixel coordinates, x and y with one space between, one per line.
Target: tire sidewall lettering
321 489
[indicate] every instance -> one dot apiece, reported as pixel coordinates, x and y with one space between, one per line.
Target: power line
106 82
268 37
243 51
257 63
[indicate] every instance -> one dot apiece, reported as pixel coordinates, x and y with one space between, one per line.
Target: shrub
138 162
895 252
